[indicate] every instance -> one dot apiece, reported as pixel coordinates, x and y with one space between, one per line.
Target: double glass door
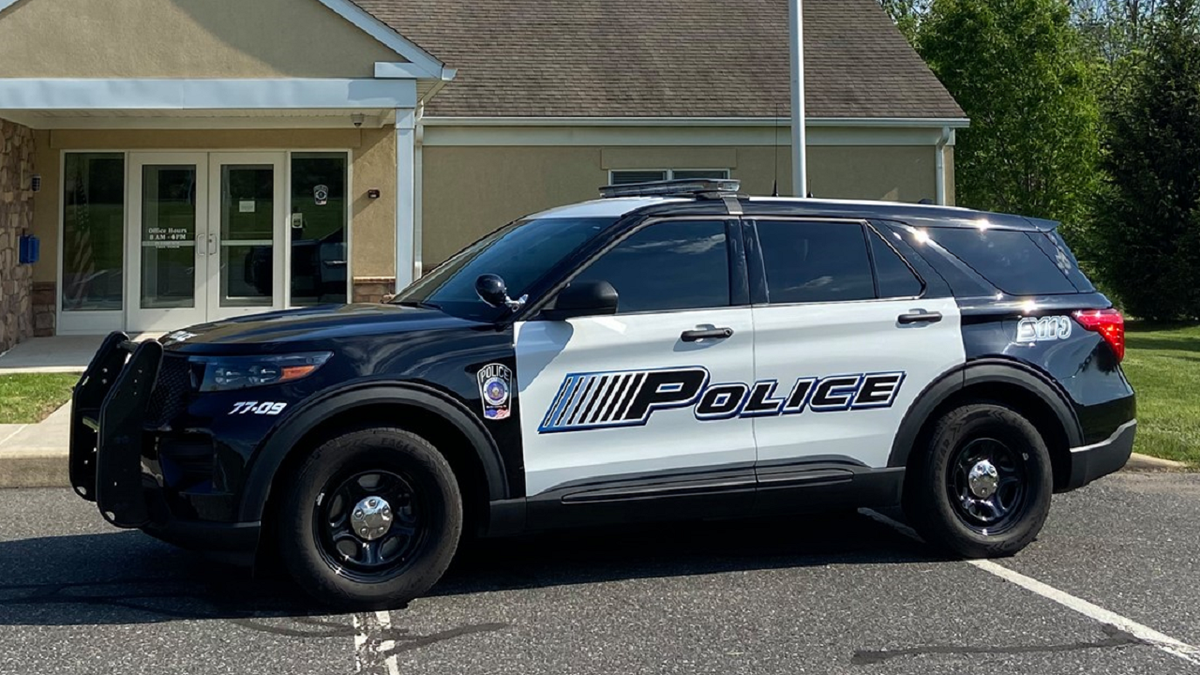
207 230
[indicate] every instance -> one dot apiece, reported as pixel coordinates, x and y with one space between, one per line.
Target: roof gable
670 58
198 39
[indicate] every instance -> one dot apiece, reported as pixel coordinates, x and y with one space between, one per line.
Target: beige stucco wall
469 191
183 38
373 161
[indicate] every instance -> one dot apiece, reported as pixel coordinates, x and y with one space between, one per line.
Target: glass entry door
204 228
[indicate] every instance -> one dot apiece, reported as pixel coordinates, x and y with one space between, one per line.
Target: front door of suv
851 334
610 401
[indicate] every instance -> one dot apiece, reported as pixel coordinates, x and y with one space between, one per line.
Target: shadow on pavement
129 578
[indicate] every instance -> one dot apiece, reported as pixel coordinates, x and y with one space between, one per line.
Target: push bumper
109 440
1090 462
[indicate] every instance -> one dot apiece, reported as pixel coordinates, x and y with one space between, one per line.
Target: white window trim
670 173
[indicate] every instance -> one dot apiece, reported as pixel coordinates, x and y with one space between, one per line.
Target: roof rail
696 188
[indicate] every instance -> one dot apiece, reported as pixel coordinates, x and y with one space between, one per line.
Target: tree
1018 69
907 14
1147 231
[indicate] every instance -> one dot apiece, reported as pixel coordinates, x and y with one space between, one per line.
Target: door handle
919 317
706 334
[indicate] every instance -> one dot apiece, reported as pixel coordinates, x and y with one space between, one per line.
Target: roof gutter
892 122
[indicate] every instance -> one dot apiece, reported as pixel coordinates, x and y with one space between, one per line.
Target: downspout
940 164
418 192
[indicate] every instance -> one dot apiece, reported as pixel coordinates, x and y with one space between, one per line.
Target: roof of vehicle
920 215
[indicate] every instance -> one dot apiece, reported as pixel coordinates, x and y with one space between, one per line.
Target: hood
313 327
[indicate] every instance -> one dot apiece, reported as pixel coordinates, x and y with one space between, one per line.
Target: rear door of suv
847 334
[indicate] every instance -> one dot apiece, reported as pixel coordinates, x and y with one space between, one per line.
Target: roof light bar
690 187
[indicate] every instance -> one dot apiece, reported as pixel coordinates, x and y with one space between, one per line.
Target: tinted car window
896 279
521 253
815 262
667 266
1011 260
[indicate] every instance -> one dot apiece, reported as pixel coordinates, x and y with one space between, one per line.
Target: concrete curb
48 468
33 469
1144 463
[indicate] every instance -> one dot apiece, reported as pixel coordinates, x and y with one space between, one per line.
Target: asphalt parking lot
831 594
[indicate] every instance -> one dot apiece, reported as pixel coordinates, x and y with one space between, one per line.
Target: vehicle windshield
520 253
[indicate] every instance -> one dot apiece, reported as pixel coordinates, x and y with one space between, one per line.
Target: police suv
674 350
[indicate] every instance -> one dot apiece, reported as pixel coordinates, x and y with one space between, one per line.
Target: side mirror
491 289
584 298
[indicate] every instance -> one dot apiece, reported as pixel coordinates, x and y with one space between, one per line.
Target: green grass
1163 364
29 398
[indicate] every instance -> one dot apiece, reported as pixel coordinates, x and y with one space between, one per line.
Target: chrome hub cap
983 479
371 518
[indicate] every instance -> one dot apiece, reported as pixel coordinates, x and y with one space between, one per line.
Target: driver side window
671 265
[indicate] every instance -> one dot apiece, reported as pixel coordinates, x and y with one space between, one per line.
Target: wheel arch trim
271 454
982 371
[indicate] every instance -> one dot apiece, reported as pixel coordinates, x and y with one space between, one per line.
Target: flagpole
799 133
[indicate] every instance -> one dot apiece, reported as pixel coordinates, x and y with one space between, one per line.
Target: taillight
1109 324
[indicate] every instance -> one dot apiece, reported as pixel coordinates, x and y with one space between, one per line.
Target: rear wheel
371 519
982 487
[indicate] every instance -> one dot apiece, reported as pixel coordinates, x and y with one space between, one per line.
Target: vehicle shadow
129 578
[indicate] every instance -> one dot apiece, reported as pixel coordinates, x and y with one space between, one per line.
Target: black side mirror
584 298
491 289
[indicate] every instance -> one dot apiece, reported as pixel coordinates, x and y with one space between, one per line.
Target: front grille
170 396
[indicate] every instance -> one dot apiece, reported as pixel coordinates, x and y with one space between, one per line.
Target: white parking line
385 626
1162 641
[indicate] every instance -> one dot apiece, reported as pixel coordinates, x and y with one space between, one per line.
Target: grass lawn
1163 364
29 398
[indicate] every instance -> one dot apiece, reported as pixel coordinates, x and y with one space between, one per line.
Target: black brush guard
108 410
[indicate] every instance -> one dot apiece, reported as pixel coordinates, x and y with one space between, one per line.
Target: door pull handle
919 317
706 334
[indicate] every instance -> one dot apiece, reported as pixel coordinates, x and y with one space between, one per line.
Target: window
93 231
672 265
1011 260
815 262
318 228
896 279
629 176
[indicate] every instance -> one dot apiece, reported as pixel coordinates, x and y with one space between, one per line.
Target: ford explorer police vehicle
673 350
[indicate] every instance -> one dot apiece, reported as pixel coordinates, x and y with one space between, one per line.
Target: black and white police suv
675 350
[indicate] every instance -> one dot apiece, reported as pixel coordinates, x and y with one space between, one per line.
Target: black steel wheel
371 519
981 486
369 524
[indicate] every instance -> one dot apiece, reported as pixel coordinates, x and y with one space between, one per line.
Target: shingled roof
665 58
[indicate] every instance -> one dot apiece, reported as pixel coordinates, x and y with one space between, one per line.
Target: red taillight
1109 324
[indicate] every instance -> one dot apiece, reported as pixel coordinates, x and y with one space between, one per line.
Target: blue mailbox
30 249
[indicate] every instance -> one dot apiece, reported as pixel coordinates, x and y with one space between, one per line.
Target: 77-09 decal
628 398
257 408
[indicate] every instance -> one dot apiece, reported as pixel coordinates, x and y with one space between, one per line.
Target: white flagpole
799 133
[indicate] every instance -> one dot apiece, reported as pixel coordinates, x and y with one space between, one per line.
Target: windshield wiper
418 303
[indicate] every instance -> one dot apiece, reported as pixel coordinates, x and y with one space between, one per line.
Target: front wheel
371 519
982 486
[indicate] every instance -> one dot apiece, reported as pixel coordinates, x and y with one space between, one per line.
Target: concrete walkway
62 354
35 455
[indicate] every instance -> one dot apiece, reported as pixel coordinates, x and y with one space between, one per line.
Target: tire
414 526
952 511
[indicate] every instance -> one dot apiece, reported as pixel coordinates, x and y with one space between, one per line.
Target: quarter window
815 262
666 266
896 279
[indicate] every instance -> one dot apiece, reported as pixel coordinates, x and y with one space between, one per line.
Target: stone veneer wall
373 289
16 218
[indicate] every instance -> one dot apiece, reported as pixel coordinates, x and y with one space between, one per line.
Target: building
183 161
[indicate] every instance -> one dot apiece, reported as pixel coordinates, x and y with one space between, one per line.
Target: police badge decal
495 385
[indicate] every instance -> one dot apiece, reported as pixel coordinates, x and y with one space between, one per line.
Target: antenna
775 190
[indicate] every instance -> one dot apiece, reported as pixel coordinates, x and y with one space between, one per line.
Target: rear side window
672 265
1011 260
815 262
896 278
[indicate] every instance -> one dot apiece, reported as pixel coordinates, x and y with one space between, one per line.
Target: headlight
226 373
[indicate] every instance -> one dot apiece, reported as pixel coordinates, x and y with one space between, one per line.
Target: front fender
264 465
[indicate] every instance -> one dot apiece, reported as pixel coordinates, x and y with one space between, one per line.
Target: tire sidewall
366 450
939 515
